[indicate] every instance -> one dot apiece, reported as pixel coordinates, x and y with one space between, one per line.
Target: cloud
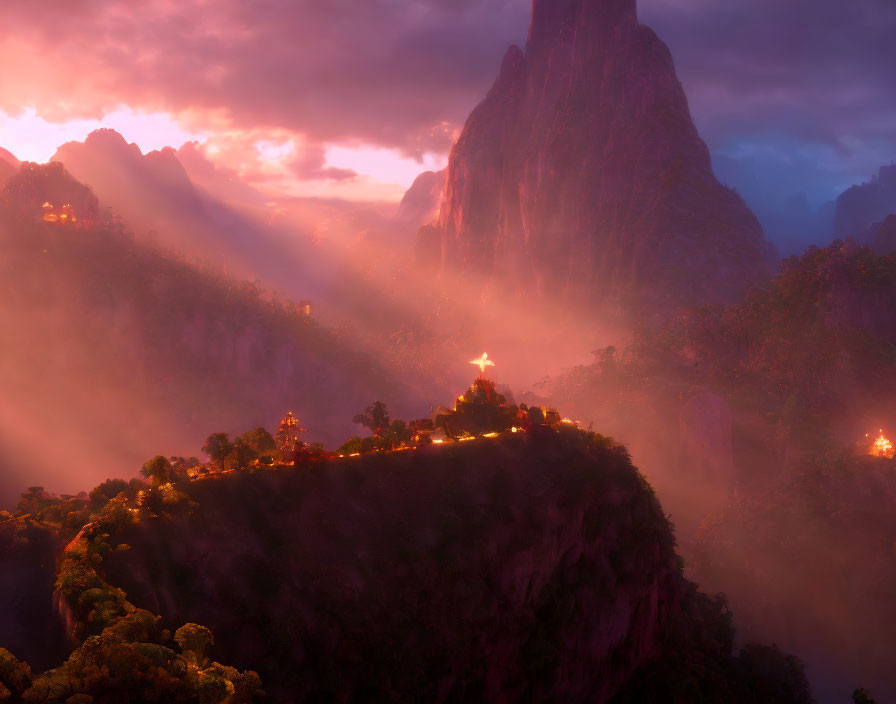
389 72
818 70
312 165
405 74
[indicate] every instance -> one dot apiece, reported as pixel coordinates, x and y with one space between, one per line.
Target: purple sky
798 91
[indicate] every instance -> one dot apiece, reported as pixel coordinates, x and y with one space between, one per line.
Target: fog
131 337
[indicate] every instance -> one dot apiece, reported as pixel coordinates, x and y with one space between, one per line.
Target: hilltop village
480 412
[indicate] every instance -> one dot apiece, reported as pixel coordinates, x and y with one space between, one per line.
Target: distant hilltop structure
49 193
63 214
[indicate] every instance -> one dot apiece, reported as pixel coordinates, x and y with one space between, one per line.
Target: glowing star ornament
482 363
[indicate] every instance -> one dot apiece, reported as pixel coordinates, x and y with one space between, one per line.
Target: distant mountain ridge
581 173
8 166
861 206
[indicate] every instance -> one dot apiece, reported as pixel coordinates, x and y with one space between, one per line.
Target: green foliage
862 696
217 446
157 470
35 500
375 418
120 658
241 454
105 492
351 446
193 641
15 676
259 440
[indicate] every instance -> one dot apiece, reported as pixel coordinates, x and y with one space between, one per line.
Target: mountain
755 422
784 211
859 207
127 346
532 566
581 174
147 190
420 205
885 239
160 203
8 166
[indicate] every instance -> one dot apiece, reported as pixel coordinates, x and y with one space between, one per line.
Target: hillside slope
121 350
531 567
751 423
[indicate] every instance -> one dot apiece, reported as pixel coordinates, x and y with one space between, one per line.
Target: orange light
882 447
482 362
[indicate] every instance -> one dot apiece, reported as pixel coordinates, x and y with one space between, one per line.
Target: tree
375 417
193 639
259 440
862 696
15 676
105 492
217 447
157 470
241 454
35 500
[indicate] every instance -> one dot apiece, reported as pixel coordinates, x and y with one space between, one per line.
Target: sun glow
32 138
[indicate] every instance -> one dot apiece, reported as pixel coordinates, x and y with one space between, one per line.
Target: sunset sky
353 98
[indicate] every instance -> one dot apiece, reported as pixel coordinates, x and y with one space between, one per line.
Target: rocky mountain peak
559 21
581 175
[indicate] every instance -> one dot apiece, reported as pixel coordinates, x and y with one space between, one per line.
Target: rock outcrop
859 207
529 567
582 173
420 204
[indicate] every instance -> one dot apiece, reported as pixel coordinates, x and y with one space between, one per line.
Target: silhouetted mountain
779 201
147 190
8 166
420 204
157 198
885 239
859 207
582 174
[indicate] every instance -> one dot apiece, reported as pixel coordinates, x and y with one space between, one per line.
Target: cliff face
537 568
534 567
582 172
29 627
